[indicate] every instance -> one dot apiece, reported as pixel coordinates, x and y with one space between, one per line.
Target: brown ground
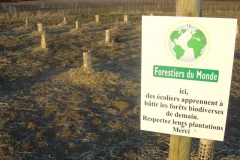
52 109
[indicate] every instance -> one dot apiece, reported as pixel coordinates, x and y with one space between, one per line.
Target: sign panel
186 75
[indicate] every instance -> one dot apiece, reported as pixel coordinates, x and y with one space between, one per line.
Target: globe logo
187 42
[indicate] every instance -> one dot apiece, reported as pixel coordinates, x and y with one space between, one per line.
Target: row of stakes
97 21
125 19
87 56
43 41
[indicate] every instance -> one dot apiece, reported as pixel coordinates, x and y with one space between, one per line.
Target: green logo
187 42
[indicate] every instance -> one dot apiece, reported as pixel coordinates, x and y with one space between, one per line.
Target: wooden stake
40 27
26 22
76 24
125 18
64 20
180 146
43 41
97 18
108 36
87 61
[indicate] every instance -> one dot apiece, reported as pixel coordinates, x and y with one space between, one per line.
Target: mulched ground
52 109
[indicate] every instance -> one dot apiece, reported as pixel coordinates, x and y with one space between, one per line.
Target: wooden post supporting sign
180 146
190 8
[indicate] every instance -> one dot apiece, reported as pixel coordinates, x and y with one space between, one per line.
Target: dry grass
52 109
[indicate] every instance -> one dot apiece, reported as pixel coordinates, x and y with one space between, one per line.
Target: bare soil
50 108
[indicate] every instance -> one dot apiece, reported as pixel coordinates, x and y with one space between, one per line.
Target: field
50 108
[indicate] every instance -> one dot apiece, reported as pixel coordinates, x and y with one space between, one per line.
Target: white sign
186 75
